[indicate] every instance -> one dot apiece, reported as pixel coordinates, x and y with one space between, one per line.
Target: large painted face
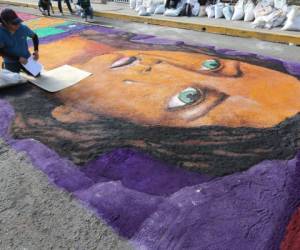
181 90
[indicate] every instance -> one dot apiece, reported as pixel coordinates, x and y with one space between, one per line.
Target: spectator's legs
59 6
69 6
167 4
48 9
91 12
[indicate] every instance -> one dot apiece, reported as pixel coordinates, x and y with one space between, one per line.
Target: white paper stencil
59 78
33 66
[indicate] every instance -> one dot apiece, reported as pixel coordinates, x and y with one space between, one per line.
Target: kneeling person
13 42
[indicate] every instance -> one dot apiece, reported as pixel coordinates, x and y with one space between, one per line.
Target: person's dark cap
10 16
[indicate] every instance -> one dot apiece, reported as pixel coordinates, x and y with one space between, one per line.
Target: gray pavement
34 215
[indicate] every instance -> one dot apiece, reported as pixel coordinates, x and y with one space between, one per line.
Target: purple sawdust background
241 211
160 206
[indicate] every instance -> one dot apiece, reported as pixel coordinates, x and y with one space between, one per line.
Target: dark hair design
213 150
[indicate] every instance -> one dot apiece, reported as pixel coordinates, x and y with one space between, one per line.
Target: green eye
211 64
189 95
186 97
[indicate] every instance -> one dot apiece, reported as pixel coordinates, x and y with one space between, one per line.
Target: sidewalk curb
238 32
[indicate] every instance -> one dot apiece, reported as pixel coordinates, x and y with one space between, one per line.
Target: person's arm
35 41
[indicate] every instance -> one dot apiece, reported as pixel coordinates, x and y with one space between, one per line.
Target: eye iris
189 96
211 64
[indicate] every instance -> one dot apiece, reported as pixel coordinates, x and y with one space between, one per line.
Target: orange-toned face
180 89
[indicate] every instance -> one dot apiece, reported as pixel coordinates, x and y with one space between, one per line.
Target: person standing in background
68 5
86 9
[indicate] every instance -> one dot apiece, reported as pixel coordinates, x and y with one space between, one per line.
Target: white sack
210 11
274 19
143 11
262 10
151 9
172 12
132 4
196 9
228 11
293 19
280 4
219 10
249 11
238 13
160 9
138 4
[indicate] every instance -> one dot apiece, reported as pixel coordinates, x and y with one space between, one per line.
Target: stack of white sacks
157 7
265 14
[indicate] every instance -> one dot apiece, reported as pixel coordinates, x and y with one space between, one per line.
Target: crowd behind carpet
82 8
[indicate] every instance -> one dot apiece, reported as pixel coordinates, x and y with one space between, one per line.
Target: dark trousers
171 4
15 67
68 5
87 12
45 6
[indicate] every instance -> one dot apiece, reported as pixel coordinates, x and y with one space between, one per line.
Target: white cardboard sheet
58 78
33 66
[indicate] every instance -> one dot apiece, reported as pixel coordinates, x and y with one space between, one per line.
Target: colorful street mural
174 146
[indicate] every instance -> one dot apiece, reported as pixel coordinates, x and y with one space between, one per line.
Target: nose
230 69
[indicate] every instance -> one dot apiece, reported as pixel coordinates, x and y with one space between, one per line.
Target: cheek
238 111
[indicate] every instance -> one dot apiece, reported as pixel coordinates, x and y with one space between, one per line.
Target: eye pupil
211 64
189 96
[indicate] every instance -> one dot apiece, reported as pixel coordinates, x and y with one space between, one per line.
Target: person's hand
36 55
22 60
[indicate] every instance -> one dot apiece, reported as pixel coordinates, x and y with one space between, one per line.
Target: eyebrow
216 73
